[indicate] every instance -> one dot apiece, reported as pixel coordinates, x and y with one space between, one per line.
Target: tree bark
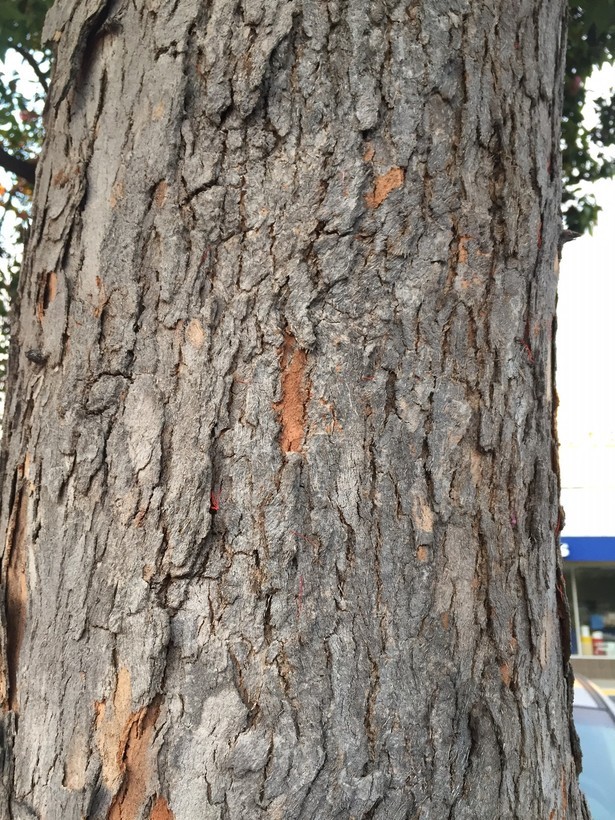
280 476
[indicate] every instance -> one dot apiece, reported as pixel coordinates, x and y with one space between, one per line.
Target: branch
24 168
33 65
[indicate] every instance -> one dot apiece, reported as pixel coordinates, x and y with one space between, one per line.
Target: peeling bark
280 491
135 764
161 810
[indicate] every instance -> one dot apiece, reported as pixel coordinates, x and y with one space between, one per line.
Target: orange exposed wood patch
161 811
47 293
103 299
444 619
369 152
505 674
110 722
394 178
476 468
51 289
136 763
60 179
161 193
117 193
295 394
462 253
16 591
422 554
158 111
423 515
195 334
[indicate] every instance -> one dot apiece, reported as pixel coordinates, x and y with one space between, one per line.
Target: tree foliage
21 23
585 150
21 135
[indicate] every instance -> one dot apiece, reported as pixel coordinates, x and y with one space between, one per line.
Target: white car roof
583 698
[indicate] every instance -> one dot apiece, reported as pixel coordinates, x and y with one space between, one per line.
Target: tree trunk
280 478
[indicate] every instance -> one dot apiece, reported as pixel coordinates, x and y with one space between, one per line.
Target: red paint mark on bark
161 811
383 185
295 395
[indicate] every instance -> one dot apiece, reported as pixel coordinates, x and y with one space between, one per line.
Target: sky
586 331
586 375
586 366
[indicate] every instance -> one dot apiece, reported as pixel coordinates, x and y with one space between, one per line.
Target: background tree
587 152
21 133
280 493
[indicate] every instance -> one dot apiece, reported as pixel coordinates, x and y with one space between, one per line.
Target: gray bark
280 481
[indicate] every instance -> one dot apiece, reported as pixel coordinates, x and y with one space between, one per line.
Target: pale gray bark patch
280 495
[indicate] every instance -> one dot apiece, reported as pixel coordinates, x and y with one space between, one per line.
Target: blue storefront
589 568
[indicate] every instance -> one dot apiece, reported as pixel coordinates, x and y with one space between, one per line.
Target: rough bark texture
280 486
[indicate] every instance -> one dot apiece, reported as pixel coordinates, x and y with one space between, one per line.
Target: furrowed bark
280 485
